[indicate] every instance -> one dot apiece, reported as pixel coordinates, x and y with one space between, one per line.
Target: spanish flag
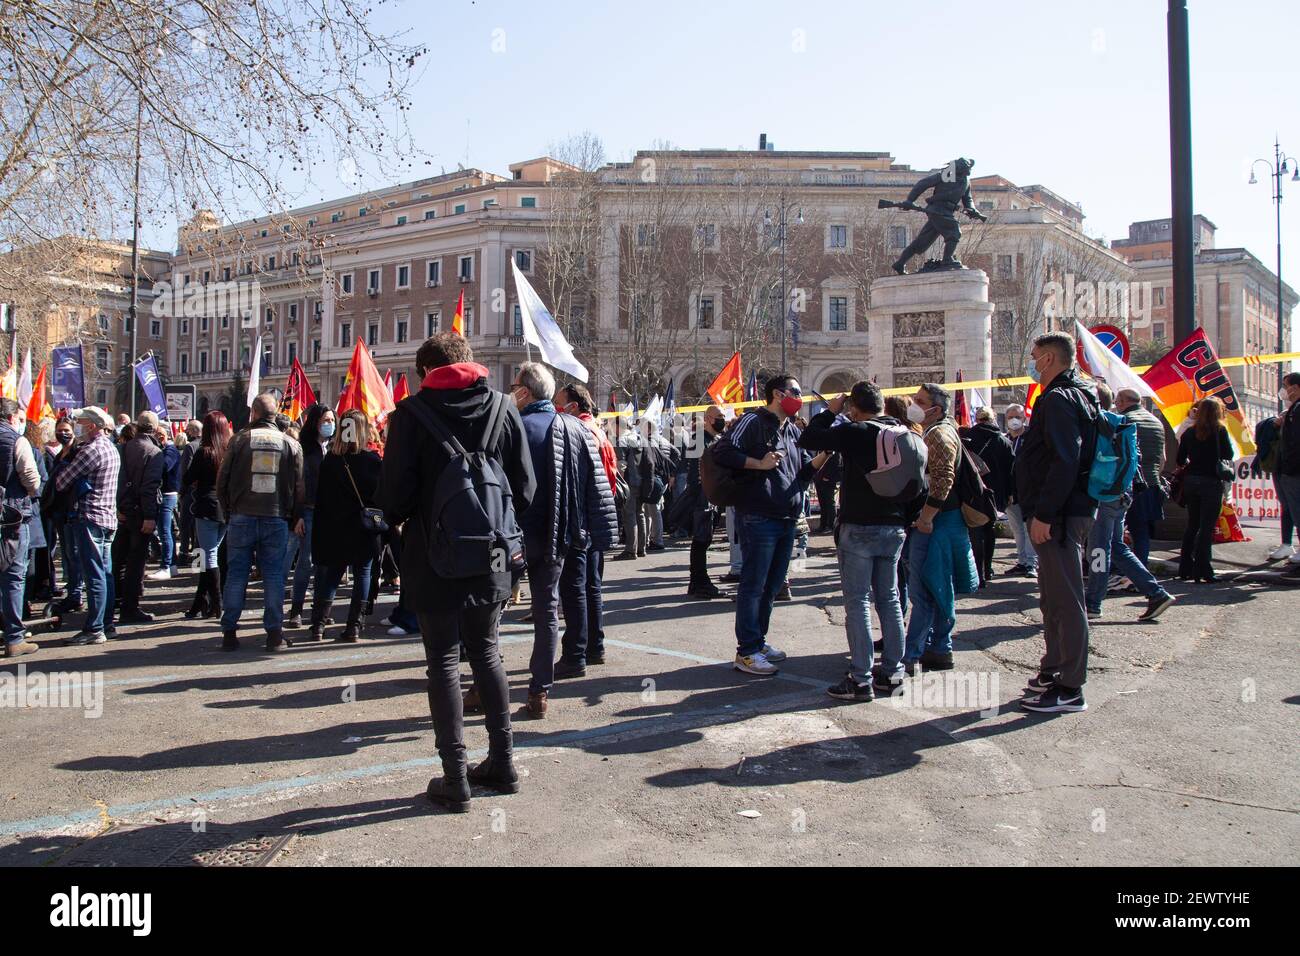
365 389
1032 397
728 388
458 320
1189 372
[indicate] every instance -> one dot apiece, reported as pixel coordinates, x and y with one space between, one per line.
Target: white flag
25 380
653 409
540 329
1109 367
255 376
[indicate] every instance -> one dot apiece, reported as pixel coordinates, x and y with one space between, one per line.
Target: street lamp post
1278 168
780 238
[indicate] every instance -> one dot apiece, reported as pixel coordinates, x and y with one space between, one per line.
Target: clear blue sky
1070 95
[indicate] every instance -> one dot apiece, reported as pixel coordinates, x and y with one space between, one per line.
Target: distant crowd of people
463 493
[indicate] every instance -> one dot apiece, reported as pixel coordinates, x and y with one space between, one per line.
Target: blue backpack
1114 459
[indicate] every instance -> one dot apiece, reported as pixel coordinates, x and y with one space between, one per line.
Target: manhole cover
177 844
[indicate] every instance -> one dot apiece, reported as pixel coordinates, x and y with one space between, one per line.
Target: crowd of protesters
464 493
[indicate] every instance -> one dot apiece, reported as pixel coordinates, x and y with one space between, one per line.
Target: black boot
200 606
228 641
214 593
294 620
317 631
496 773
449 792
275 641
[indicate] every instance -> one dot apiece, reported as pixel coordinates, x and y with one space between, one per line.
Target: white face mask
1015 424
915 413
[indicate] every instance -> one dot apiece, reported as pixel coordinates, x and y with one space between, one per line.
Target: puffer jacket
574 505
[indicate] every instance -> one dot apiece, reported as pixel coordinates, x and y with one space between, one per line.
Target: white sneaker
772 654
398 631
1280 552
1295 558
163 574
755 664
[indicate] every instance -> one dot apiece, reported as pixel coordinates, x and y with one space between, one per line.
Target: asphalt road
666 755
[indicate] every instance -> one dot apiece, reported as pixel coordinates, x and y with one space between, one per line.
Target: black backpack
475 532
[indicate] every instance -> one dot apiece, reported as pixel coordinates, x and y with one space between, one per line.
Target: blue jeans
166 509
1288 489
250 538
925 631
327 584
302 572
1024 548
1146 510
209 533
13 582
95 550
765 545
1108 554
868 556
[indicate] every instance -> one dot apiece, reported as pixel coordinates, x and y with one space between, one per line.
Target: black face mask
64 439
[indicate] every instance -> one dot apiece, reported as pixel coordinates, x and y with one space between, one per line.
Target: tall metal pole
1277 205
781 317
135 257
1180 170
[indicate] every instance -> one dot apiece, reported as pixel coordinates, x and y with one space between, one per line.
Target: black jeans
544 590
443 633
1203 499
580 584
826 501
983 545
136 547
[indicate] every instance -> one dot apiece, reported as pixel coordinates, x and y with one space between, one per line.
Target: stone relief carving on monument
918 325
918 354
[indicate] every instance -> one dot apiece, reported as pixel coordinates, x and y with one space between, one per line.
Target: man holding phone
765 444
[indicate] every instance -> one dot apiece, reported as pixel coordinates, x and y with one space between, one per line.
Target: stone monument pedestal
924 327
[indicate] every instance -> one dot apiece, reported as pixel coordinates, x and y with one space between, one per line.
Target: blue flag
68 379
146 372
670 402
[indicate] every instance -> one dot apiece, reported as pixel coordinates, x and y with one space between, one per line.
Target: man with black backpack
871 529
456 471
572 511
1052 472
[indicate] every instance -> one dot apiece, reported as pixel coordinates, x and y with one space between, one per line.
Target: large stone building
1235 302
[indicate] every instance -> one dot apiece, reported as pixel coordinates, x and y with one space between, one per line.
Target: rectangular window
897 237
839 237
460 208
466 268
1159 296
839 313
645 235
126 323
362 211
469 321
433 273
185 326
346 283
372 281
103 321
101 358
225 274
1004 267
335 216
429 214
704 319
225 321
223 360
524 259
489 203
293 311
372 334
401 220
185 363
401 331
709 235
430 324
403 277
270 317
518 321
203 325
291 354
315 351
345 334
155 328
528 202
203 362
1158 331
270 262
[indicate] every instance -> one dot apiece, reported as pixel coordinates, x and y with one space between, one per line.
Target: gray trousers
1061 598
634 529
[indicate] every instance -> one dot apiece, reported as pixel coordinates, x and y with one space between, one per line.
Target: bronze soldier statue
951 187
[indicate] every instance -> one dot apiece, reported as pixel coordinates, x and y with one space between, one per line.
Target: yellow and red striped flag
365 389
458 320
728 387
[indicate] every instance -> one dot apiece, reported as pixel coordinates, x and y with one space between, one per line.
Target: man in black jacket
460 610
572 511
702 513
138 497
1288 459
987 441
1052 487
869 540
764 445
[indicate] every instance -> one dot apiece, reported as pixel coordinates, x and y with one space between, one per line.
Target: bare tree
567 263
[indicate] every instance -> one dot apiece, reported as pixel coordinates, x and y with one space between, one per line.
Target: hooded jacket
1053 461
574 505
461 399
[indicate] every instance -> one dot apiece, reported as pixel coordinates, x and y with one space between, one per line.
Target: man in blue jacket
764 445
572 510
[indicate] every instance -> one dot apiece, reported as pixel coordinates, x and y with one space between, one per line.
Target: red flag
961 411
298 396
365 389
1031 398
458 320
401 390
38 407
728 388
388 381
